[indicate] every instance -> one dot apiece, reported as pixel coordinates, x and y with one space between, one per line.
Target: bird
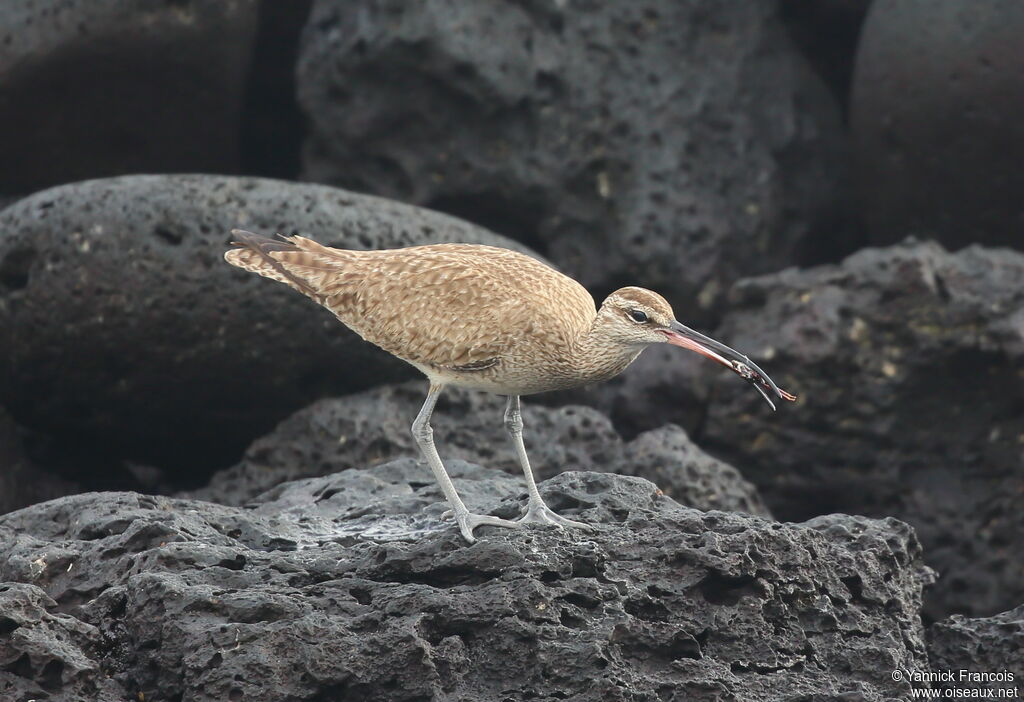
484 318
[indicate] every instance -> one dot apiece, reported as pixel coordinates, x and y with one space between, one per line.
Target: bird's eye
638 316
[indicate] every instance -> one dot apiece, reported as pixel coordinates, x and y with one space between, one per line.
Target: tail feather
256 254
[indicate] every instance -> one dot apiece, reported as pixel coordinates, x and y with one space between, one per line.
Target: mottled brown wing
460 306
457 306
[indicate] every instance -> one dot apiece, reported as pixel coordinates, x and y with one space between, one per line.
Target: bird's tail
295 261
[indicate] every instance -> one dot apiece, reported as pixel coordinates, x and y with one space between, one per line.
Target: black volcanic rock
46 654
826 32
907 363
128 333
668 458
374 427
21 482
983 645
273 128
665 384
677 144
92 88
935 112
345 588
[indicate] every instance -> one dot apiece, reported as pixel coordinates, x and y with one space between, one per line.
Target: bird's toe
468 521
542 514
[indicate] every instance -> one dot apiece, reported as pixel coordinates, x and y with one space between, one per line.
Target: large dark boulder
125 332
374 427
344 588
907 363
936 108
93 88
677 144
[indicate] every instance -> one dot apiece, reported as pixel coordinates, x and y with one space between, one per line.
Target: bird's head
636 318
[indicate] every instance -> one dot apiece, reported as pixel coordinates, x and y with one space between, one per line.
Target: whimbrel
484 318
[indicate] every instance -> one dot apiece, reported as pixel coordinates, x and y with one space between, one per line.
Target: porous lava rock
92 88
907 362
129 335
935 112
993 645
677 144
46 654
344 587
373 427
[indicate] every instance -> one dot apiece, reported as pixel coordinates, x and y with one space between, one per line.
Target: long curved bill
681 335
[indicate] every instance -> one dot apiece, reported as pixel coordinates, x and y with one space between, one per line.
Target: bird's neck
595 359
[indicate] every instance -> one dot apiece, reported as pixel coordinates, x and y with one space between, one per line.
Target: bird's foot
468 521
540 513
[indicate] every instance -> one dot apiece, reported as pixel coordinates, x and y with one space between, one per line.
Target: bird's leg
536 511
424 435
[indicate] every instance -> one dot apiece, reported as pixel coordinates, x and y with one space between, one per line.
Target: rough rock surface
374 427
130 335
93 88
331 600
907 363
935 111
689 139
990 644
46 654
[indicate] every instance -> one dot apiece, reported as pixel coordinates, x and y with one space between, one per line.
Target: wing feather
456 306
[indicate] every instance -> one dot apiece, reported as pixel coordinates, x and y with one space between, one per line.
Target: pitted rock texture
687 143
92 88
206 602
374 427
935 112
907 363
983 645
130 335
46 654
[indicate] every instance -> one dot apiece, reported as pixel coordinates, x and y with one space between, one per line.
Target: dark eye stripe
638 316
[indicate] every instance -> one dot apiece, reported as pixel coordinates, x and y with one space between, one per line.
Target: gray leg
536 511
424 435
